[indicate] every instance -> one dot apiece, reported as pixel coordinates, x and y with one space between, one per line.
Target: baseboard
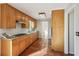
71 52
57 51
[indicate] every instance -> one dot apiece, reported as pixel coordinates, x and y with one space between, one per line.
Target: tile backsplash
14 31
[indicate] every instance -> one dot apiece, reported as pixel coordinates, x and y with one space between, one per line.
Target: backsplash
0 33
14 31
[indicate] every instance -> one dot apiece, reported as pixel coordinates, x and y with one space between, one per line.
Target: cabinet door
35 24
0 47
18 15
15 47
0 15
34 36
6 47
11 23
22 45
27 42
8 16
3 15
26 23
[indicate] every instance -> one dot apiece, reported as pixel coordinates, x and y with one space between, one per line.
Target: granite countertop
15 36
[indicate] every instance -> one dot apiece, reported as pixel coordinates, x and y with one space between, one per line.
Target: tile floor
39 48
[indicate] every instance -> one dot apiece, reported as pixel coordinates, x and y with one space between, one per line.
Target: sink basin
19 34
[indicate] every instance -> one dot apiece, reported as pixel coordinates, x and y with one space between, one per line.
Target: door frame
67 11
72 10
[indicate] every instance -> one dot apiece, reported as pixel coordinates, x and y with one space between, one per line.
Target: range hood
20 21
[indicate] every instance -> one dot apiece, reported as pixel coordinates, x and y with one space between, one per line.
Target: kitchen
31 29
16 28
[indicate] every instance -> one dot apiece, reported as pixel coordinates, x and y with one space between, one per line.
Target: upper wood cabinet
26 22
34 24
22 17
58 30
0 15
7 16
18 14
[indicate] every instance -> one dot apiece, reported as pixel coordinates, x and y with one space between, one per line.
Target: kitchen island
15 46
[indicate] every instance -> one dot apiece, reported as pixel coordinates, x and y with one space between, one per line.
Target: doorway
71 32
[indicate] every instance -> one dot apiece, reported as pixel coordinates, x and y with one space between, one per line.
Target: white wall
76 48
40 29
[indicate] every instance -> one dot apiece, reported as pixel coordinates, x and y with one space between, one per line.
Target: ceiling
33 9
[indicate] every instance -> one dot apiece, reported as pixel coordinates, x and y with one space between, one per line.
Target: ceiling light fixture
42 14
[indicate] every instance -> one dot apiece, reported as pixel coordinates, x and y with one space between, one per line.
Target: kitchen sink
20 34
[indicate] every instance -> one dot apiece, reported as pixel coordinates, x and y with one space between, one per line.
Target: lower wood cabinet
18 45
15 47
6 47
22 46
0 47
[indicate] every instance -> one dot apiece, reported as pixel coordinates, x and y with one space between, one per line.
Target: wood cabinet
0 15
0 47
6 47
26 22
18 14
22 17
58 30
21 43
35 24
15 47
7 16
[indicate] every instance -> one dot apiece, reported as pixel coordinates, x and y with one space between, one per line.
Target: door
57 42
71 32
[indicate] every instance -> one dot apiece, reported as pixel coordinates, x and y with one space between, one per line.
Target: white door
71 32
